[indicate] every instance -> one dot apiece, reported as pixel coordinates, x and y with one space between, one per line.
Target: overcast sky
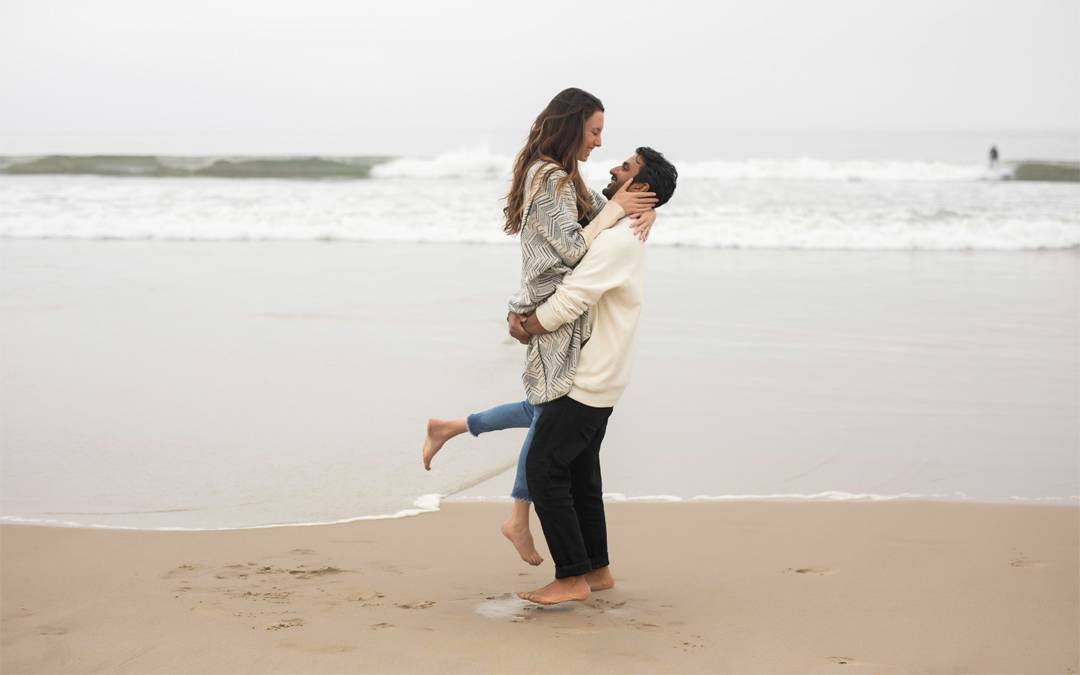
421 77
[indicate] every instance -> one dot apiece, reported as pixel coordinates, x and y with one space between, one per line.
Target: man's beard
610 190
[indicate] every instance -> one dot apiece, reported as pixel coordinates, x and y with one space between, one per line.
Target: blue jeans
519 415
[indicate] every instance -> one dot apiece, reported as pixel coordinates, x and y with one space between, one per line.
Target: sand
190 383
896 587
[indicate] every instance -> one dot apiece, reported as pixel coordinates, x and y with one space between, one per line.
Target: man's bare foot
560 590
438 433
521 538
601 579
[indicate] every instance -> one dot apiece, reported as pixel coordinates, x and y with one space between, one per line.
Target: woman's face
594 126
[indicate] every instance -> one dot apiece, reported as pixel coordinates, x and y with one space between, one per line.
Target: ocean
797 203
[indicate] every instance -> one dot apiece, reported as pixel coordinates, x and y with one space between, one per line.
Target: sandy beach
913 587
213 385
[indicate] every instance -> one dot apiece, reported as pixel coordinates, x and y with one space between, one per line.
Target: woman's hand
633 202
642 223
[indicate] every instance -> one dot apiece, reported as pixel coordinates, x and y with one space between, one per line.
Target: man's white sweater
608 281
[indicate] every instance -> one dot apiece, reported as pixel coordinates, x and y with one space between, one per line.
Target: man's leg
587 489
565 430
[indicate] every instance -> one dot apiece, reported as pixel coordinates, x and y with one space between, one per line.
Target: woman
546 204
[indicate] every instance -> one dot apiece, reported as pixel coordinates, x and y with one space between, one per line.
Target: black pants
563 472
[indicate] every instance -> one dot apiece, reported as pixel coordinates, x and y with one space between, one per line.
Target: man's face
622 173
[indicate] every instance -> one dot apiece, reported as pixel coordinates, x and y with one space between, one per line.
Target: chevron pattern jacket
552 243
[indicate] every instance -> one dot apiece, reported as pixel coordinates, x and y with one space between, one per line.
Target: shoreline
507 242
701 587
430 504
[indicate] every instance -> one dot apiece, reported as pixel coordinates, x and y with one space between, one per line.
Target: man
563 465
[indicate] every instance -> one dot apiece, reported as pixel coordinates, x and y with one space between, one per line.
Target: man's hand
642 223
533 326
517 329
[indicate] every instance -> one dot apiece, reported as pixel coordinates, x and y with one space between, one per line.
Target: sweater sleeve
597 202
608 265
557 219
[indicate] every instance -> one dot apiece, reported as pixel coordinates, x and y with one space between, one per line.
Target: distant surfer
993 156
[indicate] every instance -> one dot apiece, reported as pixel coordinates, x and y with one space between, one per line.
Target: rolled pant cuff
575 570
597 563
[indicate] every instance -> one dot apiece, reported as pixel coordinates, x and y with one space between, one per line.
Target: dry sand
702 587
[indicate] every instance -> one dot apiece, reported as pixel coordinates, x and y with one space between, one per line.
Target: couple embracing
582 274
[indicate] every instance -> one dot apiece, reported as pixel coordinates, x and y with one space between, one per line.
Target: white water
784 204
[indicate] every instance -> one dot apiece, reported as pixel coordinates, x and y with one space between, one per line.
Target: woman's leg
516 528
507 416
520 491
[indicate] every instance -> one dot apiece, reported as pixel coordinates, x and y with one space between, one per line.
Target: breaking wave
484 164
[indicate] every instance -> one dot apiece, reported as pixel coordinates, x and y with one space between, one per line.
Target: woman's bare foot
520 536
600 579
560 590
438 433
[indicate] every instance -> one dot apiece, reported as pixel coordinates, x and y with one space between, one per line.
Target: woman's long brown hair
556 136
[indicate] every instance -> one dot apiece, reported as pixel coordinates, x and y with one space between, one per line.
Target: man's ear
638 187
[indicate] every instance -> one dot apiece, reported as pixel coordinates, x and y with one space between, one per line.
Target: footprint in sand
230 576
842 660
307 574
421 604
600 602
186 568
382 626
302 551
236 570
688 645
366 599
604 605
276 597
286 623
814 571
1029 564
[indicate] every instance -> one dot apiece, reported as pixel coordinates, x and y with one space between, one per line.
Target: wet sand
132 371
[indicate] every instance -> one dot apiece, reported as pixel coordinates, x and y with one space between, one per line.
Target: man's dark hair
659 173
